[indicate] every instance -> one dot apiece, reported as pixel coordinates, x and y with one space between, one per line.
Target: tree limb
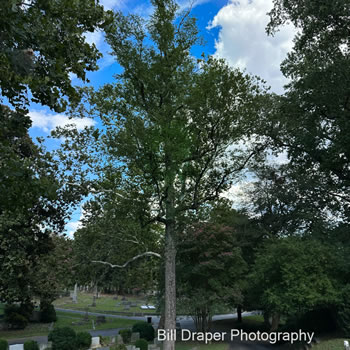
129 261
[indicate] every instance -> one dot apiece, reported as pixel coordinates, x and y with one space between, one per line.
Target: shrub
105 341
48 314
3 344
126 335
146 330
14 318
142 344
62 339
118 347
31 345
83 340
17 321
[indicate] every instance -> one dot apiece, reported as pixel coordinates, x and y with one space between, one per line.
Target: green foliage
217 268
48 313
15 316
63 338
311 121
168 122
4 344
33 204
142 344
118 347
126 335
146 330
343 312
83 340
294 275
37 54
31 345
105 340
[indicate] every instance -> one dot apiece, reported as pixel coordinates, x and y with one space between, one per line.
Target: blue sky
233 30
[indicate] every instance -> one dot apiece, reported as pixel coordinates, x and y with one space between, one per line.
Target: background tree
311 121
33 204
53 273
293 275
210 269
41 43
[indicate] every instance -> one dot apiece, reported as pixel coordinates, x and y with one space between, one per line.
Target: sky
233 30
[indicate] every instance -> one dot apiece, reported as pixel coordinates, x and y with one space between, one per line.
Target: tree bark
275 322
239 313
170 284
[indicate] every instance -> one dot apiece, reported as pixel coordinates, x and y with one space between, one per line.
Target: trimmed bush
146 330
48 314
31 345
83 340
126 335
142 344
17 321
63 339
4 345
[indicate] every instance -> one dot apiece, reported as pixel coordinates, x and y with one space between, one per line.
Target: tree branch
129 261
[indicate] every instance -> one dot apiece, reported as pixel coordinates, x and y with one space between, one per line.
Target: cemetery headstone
16 347
95 342
75 294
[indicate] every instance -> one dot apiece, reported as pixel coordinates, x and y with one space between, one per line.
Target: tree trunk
266 319
275 322
239 313
170 284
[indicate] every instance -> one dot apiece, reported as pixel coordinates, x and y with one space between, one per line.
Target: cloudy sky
233 30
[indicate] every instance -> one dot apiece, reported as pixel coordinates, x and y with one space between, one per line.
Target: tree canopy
41 44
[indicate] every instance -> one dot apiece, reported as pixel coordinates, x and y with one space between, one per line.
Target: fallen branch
129 261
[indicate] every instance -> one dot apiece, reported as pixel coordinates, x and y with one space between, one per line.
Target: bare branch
129 261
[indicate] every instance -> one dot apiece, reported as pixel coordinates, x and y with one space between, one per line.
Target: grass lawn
201 346
65 319
105 303
331 344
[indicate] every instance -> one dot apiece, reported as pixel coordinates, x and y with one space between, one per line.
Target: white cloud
244 43
112 4
47 122
95 37
71 227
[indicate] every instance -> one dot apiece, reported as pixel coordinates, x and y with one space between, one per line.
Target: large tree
169 123
33 204
311 121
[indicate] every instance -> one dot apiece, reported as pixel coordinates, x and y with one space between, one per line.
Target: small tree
210 268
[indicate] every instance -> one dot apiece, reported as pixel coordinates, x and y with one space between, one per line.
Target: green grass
201 346
332 344
105 303
65 319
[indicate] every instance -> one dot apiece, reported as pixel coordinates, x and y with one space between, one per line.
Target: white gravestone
16 347
95 342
